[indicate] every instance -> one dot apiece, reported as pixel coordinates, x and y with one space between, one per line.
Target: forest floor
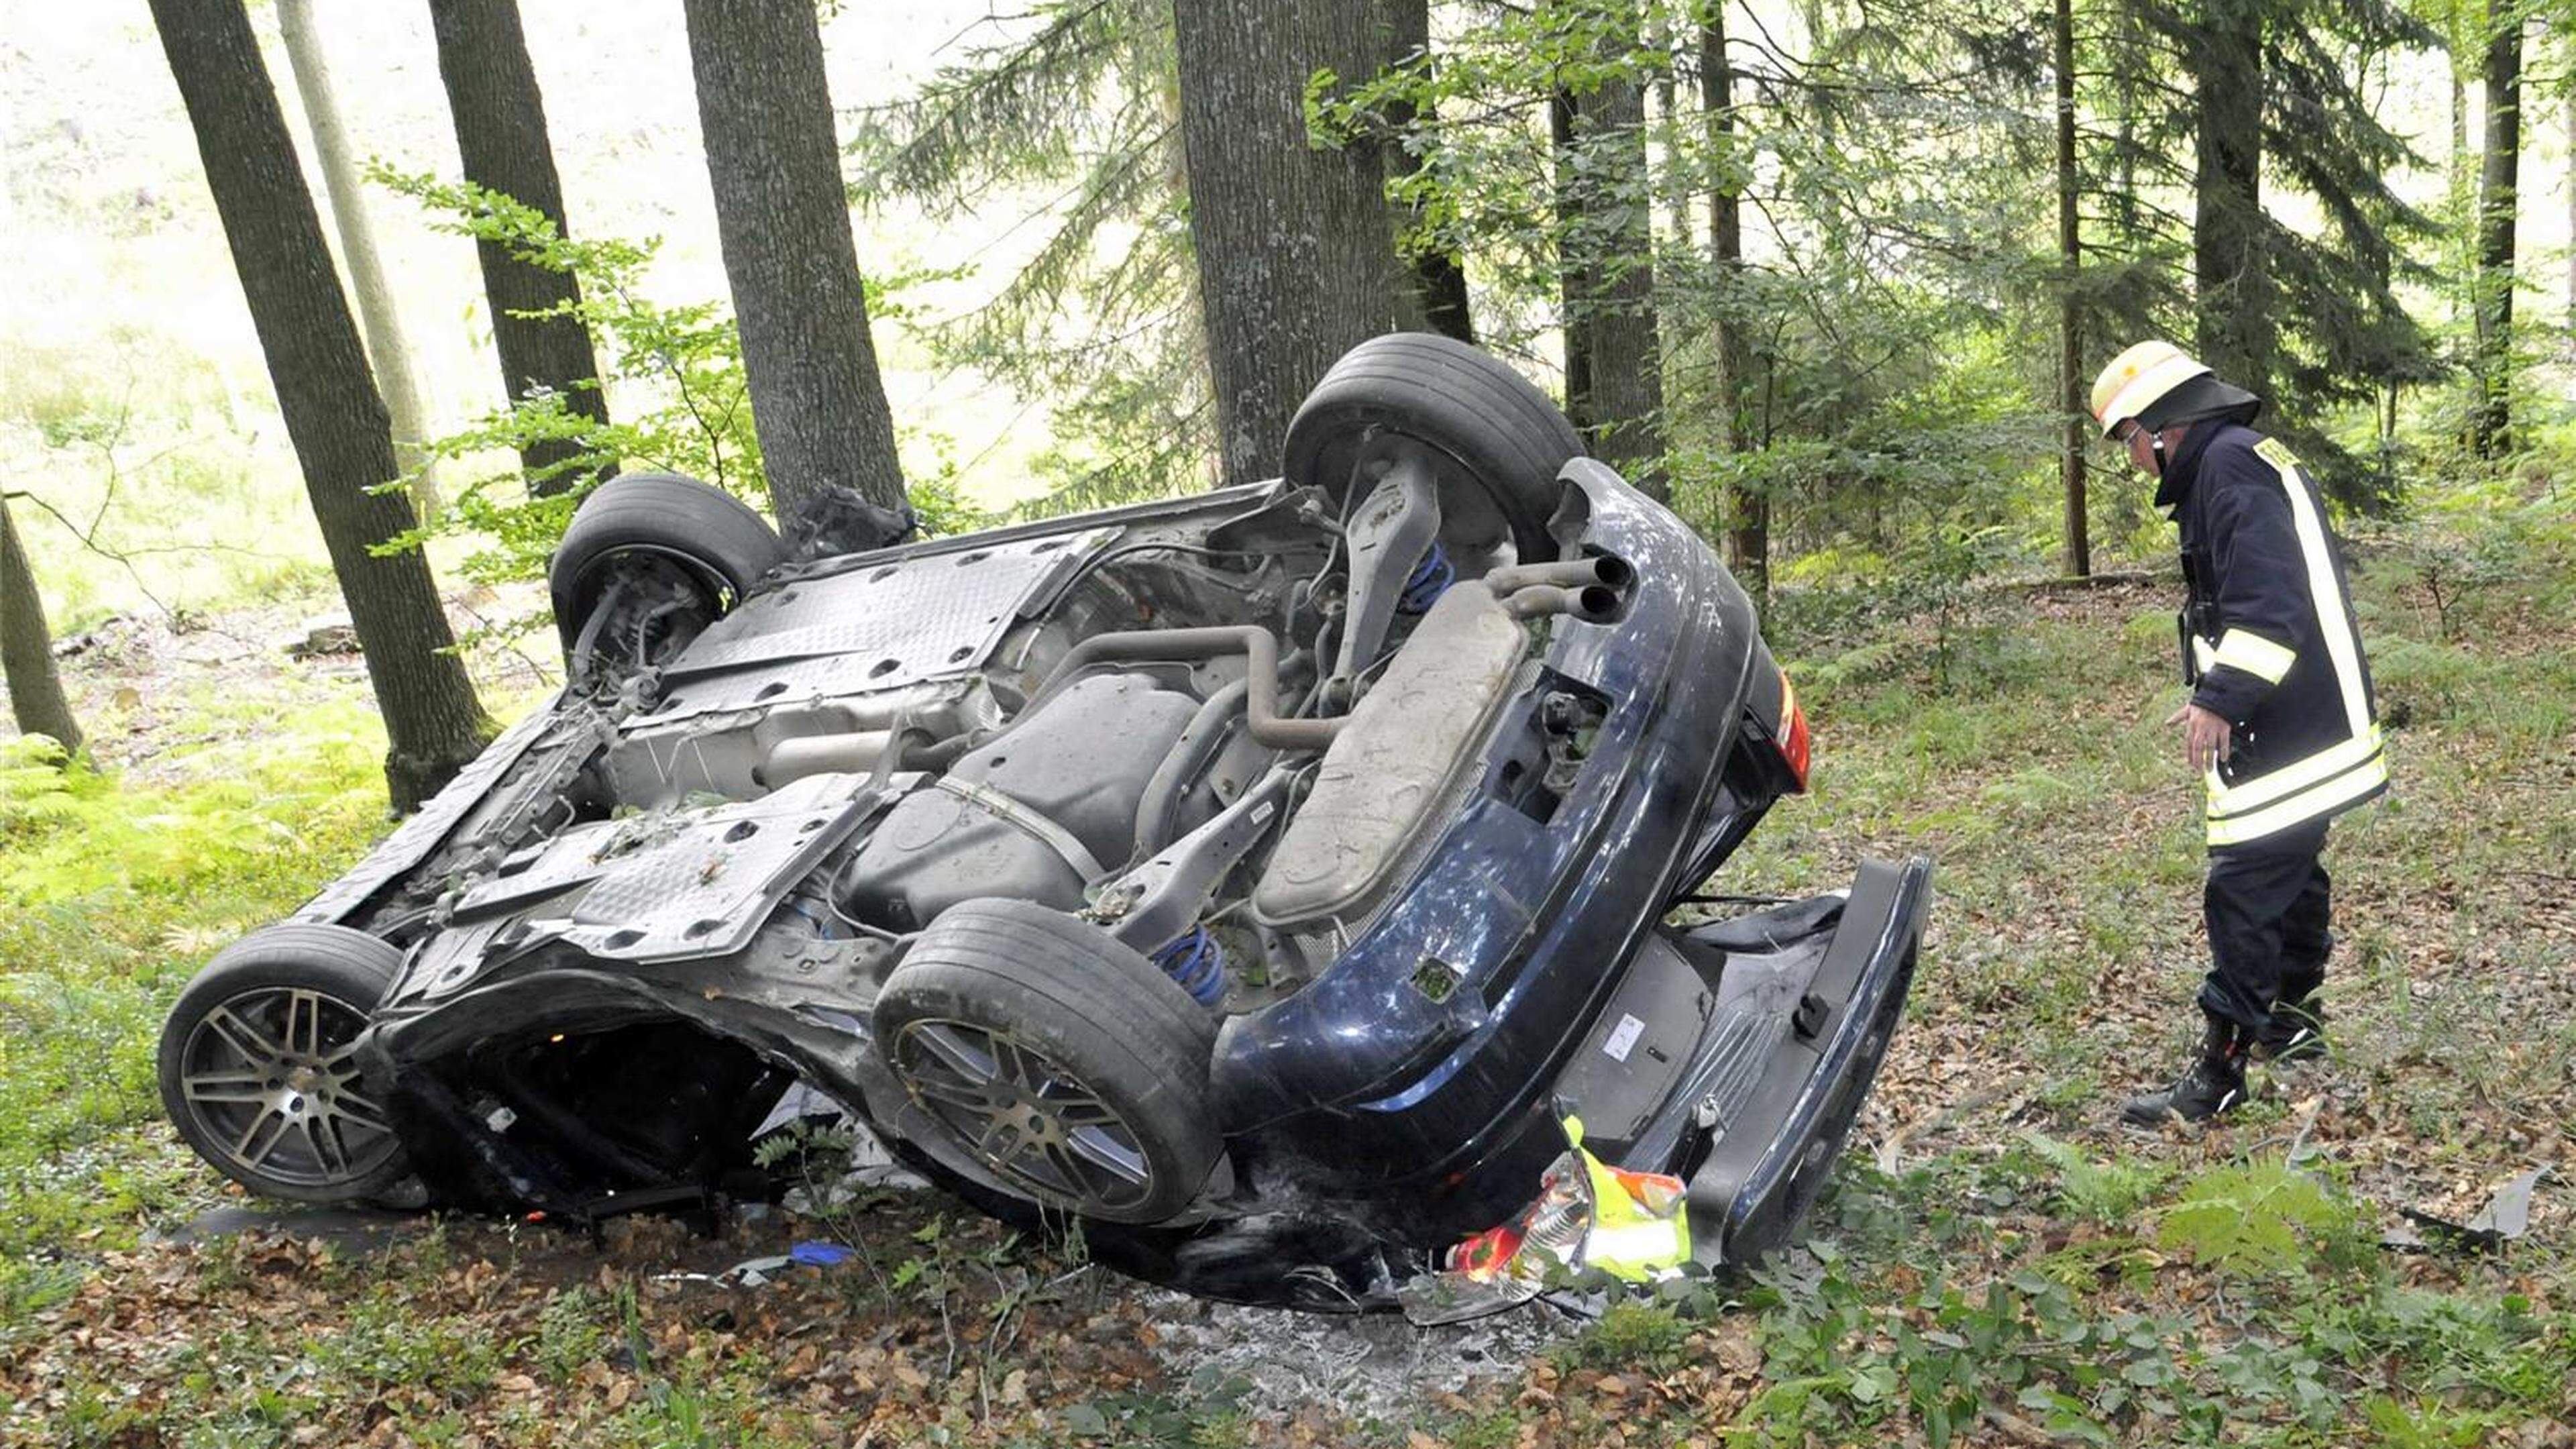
1997 1261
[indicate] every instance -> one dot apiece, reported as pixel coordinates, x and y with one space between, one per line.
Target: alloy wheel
271 1078
1024 1115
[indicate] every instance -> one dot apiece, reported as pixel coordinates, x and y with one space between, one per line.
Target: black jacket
2269 639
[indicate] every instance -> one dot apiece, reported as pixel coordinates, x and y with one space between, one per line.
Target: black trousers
2270 910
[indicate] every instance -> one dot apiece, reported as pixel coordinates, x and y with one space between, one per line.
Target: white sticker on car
1623 1038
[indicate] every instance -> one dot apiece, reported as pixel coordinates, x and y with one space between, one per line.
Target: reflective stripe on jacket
2271 643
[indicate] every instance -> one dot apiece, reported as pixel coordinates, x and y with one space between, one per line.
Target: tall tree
377 314
784 221
2307 315
1434 297
2070 302
1748 507
27 647
337 423
2230 269
500 119
1296 255
2491 423
1606 247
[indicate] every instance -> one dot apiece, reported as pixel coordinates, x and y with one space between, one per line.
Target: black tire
1006 1016
719 543
256 1071
1505 438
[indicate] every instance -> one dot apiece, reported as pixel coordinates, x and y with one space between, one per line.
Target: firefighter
2280 722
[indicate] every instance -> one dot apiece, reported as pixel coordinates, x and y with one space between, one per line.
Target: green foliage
111 892
2108 1193
1630 1334
2257 1220
678 375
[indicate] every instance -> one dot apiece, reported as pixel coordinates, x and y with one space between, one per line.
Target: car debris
2505 1218
1261 878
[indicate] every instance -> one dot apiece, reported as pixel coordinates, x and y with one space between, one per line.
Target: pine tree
2313 322
2071 390
2231 265
1102 324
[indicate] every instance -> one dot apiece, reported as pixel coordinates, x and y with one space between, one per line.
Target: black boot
2297 1030
2214 1084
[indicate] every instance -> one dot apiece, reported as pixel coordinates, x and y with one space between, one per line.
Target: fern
2255 1220
2109 1193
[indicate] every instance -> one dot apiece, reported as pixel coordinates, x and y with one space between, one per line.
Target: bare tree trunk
1606 248
500 119
2491 426
433 723
27 648
2070 306
784 220
1295 255
1434 295
386 349
1748 508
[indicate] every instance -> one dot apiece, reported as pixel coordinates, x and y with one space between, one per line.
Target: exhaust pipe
1591 603
1608 571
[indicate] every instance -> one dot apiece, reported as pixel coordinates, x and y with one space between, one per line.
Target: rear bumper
1773 1154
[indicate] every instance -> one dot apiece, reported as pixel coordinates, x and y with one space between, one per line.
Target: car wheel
258 1065
1505 438
1067 1065
687 541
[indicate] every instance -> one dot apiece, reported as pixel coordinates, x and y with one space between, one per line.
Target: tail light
1794 741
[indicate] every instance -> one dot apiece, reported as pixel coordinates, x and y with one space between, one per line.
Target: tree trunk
1296 260
2462 172
500 120
433 725
386 350
1748 507
1433 297
1606 249
784 221
27 648
2233 296
2568 182
1574 270
1672 180
2491 426
2070 305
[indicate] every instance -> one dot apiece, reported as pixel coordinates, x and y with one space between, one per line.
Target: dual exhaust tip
1589 589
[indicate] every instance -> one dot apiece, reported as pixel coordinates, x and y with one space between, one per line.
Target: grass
1995 1263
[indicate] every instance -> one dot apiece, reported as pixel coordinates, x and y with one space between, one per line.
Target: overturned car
1261 878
